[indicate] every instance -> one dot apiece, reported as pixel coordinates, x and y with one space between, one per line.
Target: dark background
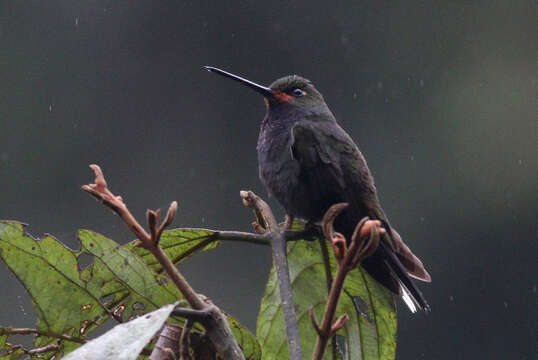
439 95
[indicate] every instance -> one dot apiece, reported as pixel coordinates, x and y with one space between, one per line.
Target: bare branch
267 220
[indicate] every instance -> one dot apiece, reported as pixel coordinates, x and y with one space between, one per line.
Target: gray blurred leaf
124 341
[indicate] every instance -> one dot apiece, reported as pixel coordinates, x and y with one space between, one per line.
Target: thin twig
43 349
309 234
184 343
240 236
267 220
363 242
29 331
328 279
217 327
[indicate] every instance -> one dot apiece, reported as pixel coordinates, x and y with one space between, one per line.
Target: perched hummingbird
309 163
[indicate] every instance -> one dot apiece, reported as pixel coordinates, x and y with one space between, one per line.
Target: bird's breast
289 183
278 171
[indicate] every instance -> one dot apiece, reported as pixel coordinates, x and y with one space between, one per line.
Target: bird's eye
297 92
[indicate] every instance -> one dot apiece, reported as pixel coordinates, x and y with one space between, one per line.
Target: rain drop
21 307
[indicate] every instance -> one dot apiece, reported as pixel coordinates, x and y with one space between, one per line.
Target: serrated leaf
124 341
370 332
129 273
71 301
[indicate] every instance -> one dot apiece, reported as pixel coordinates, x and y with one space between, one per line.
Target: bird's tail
410 293
392 264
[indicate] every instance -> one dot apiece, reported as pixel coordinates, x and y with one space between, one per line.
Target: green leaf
124 341
179 245
370 332
14 355
122 282
247 341
49 272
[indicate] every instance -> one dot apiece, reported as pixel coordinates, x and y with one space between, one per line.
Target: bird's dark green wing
316 152
324 149
329 158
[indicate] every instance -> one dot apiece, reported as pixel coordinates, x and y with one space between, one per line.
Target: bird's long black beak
265 91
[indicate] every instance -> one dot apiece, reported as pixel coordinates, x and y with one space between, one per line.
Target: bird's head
294 90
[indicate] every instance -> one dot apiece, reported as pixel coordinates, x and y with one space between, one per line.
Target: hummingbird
309 163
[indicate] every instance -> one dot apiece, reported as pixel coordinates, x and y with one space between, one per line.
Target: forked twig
217 327
364 242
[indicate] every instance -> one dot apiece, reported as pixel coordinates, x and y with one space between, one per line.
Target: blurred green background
440 96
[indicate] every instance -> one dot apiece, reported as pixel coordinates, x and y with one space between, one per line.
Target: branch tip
328 219
170 215
152 217
339 246
339 323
